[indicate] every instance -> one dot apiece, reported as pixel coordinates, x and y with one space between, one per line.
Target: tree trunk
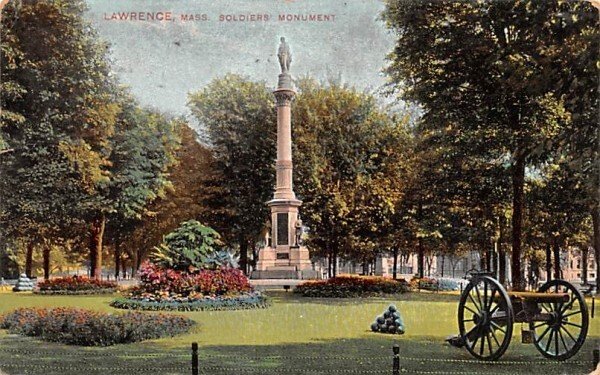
596 225
46 256
548 262
443 263
420 258
584 265
334 259
556 250
501 254
518 182
97 232
117 254
29 259
395 265
124 268
243 255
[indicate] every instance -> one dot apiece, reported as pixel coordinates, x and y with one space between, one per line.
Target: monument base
284 275
284 263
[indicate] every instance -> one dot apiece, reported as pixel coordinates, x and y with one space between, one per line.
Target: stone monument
283 256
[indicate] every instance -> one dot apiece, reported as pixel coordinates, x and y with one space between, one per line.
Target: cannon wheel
562 336
485 318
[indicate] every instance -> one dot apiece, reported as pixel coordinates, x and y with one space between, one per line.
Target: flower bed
164 282
76 285
352 286
208 303
168 289
90 328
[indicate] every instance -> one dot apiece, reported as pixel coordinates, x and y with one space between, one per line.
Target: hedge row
241 302
67 292
75 285
352 287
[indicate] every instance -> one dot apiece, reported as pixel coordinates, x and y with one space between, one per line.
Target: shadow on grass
290 297
372 355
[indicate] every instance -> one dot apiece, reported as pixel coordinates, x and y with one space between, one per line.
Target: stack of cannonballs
389 322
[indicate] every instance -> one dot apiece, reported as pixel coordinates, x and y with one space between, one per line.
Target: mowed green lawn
294 336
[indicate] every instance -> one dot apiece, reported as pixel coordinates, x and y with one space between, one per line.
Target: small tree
190 246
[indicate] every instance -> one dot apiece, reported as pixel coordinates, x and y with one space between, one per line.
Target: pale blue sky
163 61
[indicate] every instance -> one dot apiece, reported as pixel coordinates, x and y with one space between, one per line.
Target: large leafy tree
183 199
490 69
349 170
144 147
82 150
238 117
58 115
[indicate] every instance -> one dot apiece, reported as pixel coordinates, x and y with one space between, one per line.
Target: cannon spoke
471 310
482 345
571 314
543 334
495 338
489 340
562 339
569 333
549 340
498 327
474 303
572 324
568 306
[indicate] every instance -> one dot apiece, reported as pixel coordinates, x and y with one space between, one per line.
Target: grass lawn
294 336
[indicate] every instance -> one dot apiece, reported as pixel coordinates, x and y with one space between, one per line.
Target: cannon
556 315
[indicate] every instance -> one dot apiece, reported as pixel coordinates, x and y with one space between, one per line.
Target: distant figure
285 56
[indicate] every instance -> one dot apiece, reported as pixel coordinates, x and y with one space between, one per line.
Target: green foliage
57 116
350 164
182 200
239 119
494 80
187 247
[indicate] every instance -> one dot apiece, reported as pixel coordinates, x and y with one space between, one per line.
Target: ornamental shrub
352 286
90 328
187 247
75 285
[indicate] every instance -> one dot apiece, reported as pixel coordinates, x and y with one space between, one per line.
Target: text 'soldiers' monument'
284 256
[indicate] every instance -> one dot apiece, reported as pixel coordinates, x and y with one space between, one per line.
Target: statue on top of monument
285 56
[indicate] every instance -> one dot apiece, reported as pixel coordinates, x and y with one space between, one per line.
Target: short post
596 358
194 358
396 364
593 305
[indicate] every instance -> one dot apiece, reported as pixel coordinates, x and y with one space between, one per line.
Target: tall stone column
283 165
284 257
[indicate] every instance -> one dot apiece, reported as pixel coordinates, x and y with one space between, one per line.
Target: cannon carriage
556 318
